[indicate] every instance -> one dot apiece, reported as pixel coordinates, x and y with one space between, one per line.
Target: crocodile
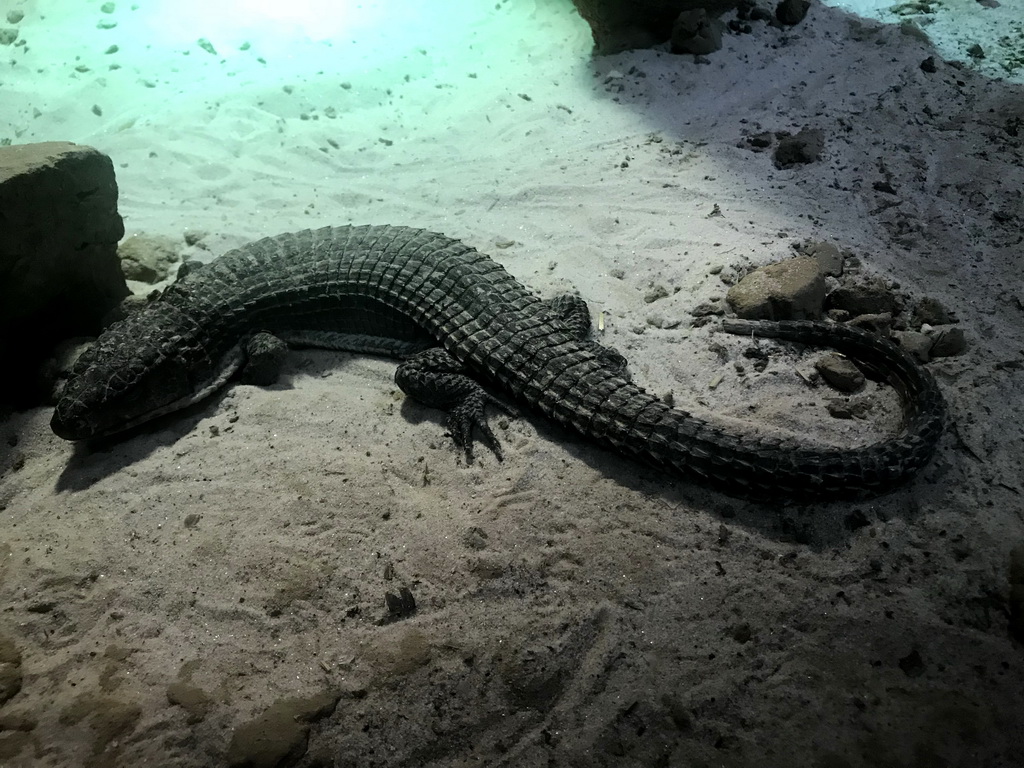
456 318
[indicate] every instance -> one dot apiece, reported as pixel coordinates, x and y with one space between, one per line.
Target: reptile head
131 375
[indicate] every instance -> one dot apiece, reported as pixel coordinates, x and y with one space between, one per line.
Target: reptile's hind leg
435 378
574 312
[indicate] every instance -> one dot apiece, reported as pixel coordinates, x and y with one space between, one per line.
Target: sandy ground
213 591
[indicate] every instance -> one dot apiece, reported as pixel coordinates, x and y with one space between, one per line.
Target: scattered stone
793 289
867 298
207 46
660 321
840 373
880 324
194 236
656 292
947 342
195 701
8 35
696 32
930 312
801 149
14 17
928 65
279 737
148 258
760 140
849 409
708 309
915 343
758 356
792 12
830 258
107 8
976 52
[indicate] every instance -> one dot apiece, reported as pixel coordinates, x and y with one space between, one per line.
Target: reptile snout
68 426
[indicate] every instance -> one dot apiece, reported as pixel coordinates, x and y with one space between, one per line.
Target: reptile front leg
435 378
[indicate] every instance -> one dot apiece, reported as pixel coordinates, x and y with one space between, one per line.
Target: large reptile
452 313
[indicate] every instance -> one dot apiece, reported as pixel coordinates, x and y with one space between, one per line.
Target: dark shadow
133 445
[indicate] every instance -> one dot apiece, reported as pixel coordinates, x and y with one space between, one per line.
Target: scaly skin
397 290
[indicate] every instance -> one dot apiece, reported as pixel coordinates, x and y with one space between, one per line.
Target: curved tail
762 467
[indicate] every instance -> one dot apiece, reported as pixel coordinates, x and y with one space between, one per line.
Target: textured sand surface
166 600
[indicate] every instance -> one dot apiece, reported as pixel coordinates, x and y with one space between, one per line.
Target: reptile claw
470 414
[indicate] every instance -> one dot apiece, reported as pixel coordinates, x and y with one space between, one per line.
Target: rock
830 258
930 312
805 147
868 298
880 324
195 701
947 342
793 289
196 236
917 344
759 141
840 373
708 309
148 258
696 32
279 736
849 409
792 12
655 292
660 321
619 25
59 272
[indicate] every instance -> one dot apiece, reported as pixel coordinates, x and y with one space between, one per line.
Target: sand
212 591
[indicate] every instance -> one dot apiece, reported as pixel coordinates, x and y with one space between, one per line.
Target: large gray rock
871 297
618 25
696 32
793 289
59 271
